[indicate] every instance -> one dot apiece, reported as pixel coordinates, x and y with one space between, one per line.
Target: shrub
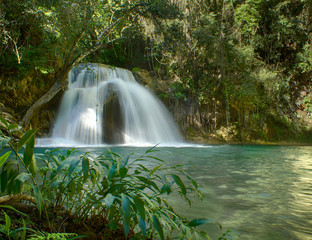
123 193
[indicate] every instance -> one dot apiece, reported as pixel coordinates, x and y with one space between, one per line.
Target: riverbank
215 140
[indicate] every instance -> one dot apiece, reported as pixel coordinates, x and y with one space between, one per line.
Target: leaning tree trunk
58 85
71 61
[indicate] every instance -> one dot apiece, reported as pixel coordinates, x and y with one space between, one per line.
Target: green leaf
126 228
24 230
126 207
142 225
139 204
23 177
29 150
4 157
179 182
123 172
198 221
12 126
33 166
148 182
112 172
69 152
27 136
62 165
155 169
73 164
158 227
85 168
144 168
126 160
39 199
166 188
4 121
17 186
152 149
12 208
7 222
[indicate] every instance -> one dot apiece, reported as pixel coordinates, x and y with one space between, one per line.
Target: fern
52 236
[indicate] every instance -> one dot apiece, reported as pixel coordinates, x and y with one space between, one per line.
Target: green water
260 192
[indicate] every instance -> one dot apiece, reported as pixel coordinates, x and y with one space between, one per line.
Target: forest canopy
237 69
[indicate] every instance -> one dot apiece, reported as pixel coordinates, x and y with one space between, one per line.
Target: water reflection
301 193
261 192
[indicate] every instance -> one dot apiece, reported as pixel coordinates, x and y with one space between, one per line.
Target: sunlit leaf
7 222
13 126
5 123
29 150
27 136
33 166
23 177
4 157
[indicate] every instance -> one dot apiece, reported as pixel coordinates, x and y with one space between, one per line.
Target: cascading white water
106 105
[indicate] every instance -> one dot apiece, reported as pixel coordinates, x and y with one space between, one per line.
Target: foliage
12 232
126 194
6 229
233 58
122 191
239 59
16 170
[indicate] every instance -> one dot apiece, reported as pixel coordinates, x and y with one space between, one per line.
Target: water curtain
105 105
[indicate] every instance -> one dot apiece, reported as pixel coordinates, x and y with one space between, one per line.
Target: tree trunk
58 85
72 61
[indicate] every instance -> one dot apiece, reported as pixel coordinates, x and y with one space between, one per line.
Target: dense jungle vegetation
229 70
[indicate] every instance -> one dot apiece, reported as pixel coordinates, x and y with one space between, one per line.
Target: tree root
21 202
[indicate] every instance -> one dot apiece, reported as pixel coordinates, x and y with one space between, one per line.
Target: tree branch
68 64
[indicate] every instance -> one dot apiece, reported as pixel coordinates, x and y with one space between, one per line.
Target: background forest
228 70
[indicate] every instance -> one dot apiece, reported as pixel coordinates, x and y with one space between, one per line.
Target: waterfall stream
105 105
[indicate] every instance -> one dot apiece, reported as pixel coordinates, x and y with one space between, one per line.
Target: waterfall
105 105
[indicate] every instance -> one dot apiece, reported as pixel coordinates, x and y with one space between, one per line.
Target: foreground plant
123 192
117 196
